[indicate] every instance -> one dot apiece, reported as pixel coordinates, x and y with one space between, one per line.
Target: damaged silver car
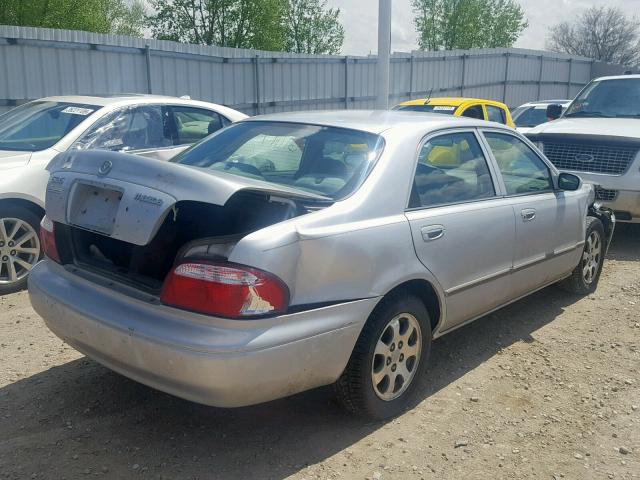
296 250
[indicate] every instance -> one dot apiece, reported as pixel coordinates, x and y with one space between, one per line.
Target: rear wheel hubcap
19 249
396 357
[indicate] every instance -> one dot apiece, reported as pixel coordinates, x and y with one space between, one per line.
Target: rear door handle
432 232
528 214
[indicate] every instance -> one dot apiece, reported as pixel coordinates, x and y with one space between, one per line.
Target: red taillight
48 239
224 289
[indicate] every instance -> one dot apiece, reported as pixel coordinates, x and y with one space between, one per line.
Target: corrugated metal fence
38 62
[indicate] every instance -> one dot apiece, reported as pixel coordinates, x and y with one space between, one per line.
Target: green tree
226 23
464 24
101 16
310 27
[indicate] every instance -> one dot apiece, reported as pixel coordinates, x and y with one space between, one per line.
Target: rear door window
474 111
496 114
192 124
451 169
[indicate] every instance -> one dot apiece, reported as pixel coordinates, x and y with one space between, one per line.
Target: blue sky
359 18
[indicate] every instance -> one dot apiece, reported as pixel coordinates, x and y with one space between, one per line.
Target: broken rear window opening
328 161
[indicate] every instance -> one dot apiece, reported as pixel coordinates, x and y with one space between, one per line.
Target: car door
463 231
548 221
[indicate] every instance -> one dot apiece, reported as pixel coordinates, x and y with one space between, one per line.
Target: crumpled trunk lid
127 197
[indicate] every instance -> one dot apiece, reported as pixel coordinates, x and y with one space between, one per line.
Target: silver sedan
296 250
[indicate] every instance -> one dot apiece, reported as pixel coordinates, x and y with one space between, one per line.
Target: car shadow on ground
626 242
80 417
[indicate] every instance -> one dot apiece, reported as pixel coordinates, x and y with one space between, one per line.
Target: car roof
125 99
109 99
451 101
616 77
120 99
540 103
374 121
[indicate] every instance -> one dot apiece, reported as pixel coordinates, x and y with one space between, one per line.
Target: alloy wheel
19 249
591 257
396 357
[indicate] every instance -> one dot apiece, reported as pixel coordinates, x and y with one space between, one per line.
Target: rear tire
373 383
584 278
19 247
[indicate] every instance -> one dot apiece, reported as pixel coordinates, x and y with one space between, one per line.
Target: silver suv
598 138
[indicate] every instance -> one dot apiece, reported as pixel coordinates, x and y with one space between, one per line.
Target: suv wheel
584 278
19 247
387 365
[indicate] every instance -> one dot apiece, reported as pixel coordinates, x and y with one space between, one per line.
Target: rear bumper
213 361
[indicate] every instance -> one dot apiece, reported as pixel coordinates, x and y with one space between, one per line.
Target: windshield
445 109
608 98
327 161
530 116
39 125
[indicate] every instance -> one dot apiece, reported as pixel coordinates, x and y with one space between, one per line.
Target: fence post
464 72
569 80
411 60
346 82
540 76
147 59
506 77
256 71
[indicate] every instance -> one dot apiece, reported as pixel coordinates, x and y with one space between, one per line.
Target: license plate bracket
95 206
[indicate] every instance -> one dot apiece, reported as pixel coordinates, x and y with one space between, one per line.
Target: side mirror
569 182
554 111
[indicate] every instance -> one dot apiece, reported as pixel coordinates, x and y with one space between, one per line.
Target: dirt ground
548 388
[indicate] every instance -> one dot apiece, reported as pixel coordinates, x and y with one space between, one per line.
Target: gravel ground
547 388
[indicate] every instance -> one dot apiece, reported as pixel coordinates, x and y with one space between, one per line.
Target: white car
32 134
598 138
532 114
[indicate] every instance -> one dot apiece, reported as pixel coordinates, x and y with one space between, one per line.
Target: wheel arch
427 293
28 204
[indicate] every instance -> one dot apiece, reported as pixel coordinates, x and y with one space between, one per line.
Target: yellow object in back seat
443 157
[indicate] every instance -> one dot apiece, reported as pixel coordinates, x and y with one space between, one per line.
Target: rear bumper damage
218 362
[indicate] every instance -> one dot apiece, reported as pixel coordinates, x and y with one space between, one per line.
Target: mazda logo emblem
584 158
105 167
